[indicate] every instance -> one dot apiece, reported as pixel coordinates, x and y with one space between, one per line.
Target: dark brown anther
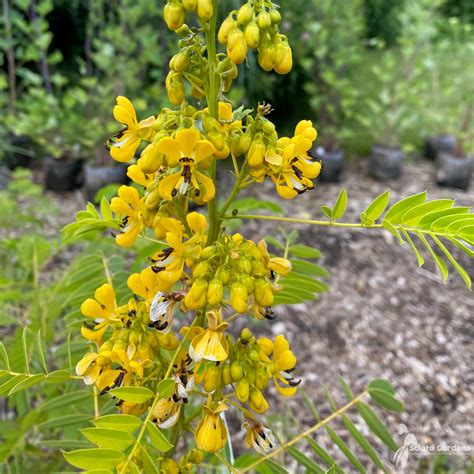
294 383
88 325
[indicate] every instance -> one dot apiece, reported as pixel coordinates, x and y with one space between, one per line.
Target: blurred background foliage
366 71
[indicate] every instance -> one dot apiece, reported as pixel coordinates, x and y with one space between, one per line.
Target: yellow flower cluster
175 163
199 268
255 26
239 271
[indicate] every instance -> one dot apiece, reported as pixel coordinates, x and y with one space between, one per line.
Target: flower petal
187 139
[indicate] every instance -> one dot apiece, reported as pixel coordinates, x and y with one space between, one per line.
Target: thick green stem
212 98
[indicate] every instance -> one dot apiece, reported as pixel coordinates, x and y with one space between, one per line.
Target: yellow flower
88 369
192 154
291 166
168 263
144 284
128 204
102 309
284 362
211 344
131 367
279 265
258 436
211 433
126 142
102 306
136 174
166 413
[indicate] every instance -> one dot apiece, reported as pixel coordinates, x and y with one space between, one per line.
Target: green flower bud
242 390
174 15
212 378
201 270
245 14
264 20
246 334
215 291
275 16
226 375
252 35
236 371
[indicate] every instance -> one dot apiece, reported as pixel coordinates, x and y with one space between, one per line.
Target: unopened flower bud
226 375
196 294
226 27
174 15
252 35
208 252
275 16
212 378
263 293
205 9
266 57
256 153
201 269
236 46
215 291
239 297
180 61
242 390
257 401
246 334
236 371
283 58
264 20
245 14
189 5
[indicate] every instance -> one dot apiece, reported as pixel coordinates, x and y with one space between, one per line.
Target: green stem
235 191
353 225
149 415
299 221
211 98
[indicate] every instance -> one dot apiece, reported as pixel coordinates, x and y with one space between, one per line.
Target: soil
383 318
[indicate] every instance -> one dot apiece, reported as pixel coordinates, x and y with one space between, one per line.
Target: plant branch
306 433
353 225
211 97
123 470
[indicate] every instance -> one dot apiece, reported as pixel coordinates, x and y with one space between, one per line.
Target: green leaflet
414 215
375 209
396 212
158 439
376 425
340 206
305 461
94 458
132 394
109 438
26 383
126 423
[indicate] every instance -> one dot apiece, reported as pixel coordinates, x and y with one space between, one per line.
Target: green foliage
382 20
303 283
331 55
340 425
431 222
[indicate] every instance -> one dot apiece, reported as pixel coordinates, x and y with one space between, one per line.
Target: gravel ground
384 317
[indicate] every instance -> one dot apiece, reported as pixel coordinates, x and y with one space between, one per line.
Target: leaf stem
306 433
